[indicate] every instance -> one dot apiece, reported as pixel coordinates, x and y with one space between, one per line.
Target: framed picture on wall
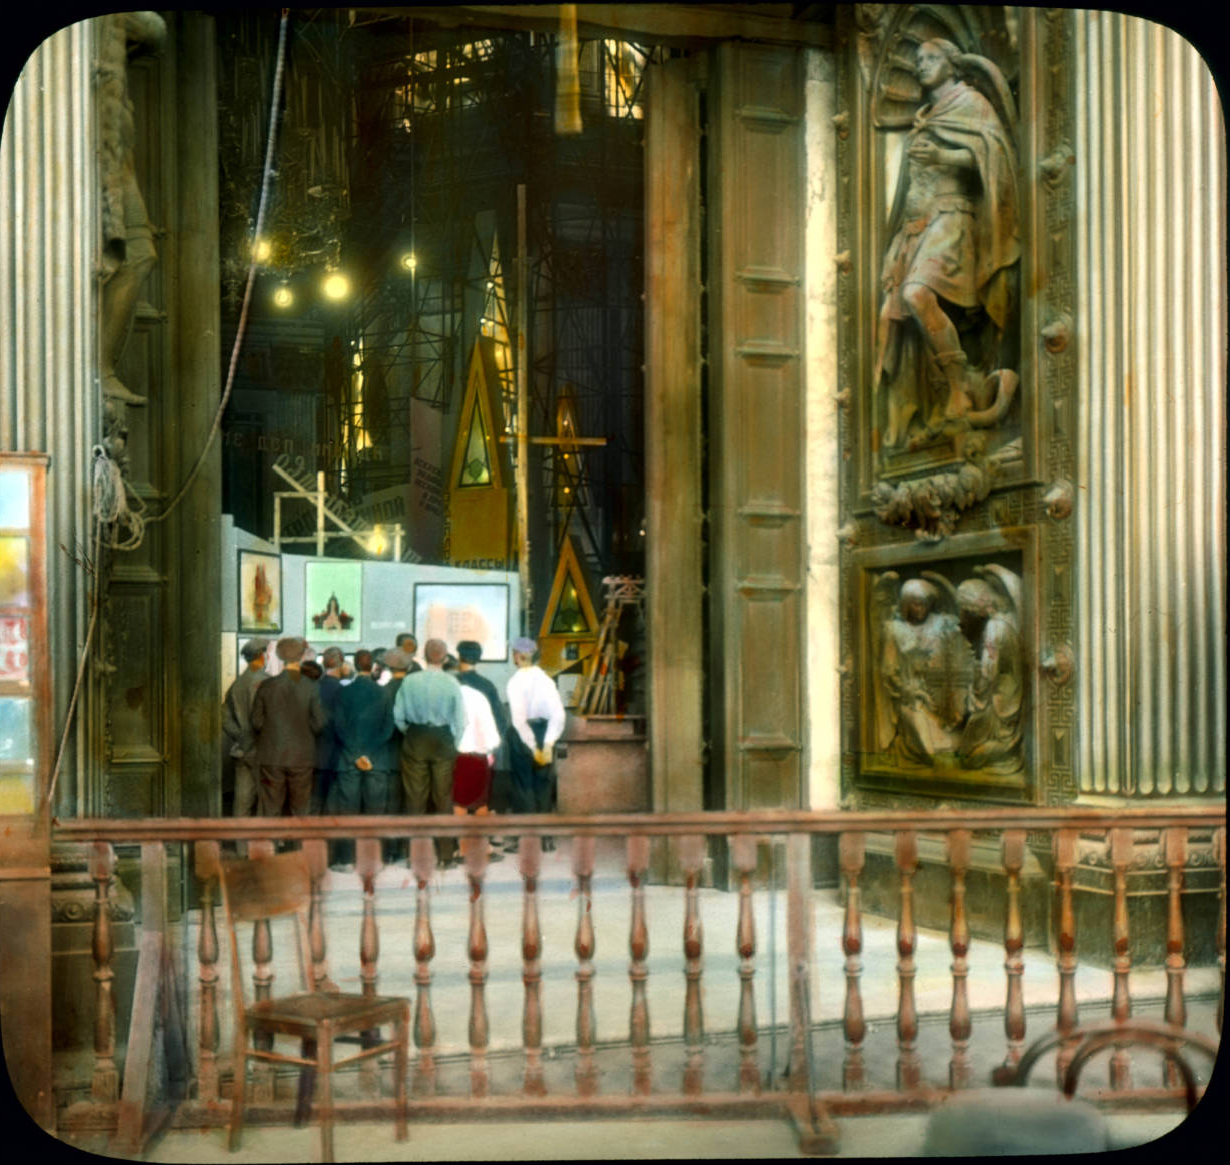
333 601
457 611
260 592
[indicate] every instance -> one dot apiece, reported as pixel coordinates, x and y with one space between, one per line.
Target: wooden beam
669 24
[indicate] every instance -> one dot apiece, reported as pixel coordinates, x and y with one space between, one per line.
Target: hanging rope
275 104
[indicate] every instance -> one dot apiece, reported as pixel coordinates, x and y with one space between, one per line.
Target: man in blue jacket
367 765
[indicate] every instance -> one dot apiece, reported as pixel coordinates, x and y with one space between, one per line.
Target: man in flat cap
237 725
430 712
287 715
537 715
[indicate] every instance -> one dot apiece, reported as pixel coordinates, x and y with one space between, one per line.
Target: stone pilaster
1150 192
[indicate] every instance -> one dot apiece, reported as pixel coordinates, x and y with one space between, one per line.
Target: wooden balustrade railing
693 834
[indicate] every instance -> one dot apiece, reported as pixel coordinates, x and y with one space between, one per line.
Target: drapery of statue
949 292
950 674
128 253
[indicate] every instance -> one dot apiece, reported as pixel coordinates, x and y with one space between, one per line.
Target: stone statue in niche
949 272
951 683
128 253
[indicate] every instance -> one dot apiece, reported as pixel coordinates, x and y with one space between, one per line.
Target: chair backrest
266 887
261 888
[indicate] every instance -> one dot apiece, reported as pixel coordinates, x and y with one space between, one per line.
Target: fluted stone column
49 400
1151 323
1151 329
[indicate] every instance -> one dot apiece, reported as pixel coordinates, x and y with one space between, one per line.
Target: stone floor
611 912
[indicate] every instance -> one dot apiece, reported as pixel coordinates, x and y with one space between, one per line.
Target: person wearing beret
288 716
430 712
237 725
469 653
367 762
537 715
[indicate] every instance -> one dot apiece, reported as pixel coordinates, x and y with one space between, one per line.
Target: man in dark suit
330 686
287 715
367 765
237 725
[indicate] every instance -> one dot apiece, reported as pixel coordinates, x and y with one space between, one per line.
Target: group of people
321 738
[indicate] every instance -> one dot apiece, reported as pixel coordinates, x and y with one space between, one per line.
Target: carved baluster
1014 945
850 856
743 858
318 864
1121 1000
692 859
1219 854
1174 851
909 1070
262 983
104 1086
368 865
423 863
638 971
1066 1019
959 1073
583 868
207 854
474 849
530 862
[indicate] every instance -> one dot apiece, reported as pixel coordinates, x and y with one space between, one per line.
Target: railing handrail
773 821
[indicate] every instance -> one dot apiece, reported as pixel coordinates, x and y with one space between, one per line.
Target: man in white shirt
537 715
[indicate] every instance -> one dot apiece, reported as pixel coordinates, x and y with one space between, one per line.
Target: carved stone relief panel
957 367
948 701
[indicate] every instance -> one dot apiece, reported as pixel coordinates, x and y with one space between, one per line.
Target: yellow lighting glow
376 544
336 285
409 261
261 250
283 297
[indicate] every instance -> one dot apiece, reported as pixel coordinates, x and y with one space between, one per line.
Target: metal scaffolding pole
523 421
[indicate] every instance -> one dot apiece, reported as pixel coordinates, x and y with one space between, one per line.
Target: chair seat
303 1014
997 1122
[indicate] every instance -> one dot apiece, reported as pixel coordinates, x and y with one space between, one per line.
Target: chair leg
324 1065
399 1069
237 1094
307 1082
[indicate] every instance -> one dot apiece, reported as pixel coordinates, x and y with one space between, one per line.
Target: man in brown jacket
287 715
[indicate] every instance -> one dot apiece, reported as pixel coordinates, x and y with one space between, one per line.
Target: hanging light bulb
336 286
283 297
410 261
261 250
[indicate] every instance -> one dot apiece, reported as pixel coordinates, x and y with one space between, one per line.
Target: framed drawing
457 611
260 592
333 601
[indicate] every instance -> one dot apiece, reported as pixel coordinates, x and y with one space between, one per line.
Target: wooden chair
1015 1120
268 887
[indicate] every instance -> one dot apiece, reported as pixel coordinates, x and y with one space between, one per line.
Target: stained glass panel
475 469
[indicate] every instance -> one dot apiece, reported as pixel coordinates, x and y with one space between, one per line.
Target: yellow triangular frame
569 567
480 382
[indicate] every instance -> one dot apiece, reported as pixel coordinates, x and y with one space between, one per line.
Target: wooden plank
674 515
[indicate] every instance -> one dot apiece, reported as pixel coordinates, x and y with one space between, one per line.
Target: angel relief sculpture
949 270
951 677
